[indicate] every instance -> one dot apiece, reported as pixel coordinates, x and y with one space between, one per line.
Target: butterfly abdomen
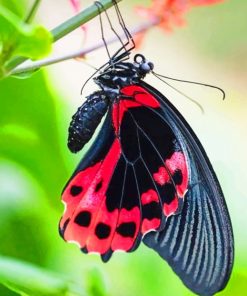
86 119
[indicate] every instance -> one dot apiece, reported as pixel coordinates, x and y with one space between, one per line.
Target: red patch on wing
124 239
149 196
137 97
171 208
162 176
91 225
176 167
148 225
81 182
175 163
107 221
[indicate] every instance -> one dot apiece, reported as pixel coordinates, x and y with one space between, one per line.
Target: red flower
171 12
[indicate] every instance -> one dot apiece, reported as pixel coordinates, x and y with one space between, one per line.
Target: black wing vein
158 153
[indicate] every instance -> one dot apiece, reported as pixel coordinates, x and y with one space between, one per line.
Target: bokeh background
35 162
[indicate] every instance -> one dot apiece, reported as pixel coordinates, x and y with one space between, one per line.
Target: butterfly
145 178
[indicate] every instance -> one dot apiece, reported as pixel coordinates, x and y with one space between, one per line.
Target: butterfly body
146 178
86 119
88 116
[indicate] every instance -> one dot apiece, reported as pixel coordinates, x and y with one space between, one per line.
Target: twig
31 66
66 27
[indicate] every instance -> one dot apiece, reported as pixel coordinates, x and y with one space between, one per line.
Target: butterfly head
143 66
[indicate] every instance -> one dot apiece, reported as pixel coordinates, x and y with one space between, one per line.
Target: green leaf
17 7
237 284
35 42
95 283
29 131
20 39
28 279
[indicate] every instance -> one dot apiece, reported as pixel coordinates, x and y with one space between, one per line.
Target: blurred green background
35 162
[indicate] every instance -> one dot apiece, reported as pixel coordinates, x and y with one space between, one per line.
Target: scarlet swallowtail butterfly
145 178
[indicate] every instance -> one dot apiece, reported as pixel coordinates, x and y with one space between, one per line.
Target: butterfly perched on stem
146 177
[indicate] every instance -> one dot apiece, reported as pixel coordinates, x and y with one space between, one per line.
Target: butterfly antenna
178 91
193 82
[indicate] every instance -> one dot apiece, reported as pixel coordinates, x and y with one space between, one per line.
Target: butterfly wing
197 243
133 177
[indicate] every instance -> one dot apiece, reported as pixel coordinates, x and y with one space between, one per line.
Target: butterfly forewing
134 176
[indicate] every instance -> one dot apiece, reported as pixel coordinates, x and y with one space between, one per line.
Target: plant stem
66 27
31 66
32 12
80 19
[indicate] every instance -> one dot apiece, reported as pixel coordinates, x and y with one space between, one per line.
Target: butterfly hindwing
133 177
197 243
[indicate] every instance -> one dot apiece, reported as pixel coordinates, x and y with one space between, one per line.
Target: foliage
20 39
27 279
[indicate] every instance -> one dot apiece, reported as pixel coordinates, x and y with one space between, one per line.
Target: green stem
66 27
80 19
32 12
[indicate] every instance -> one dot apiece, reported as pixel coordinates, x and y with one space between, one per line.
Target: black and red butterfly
146 177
